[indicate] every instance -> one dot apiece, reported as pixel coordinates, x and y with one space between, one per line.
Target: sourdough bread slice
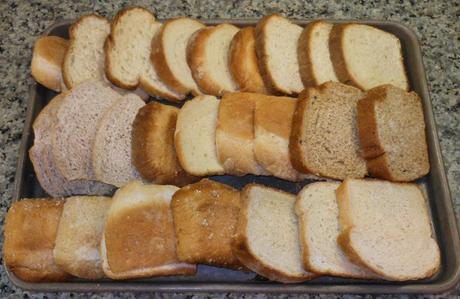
267 238
392 134
207 55
195 136
276 46
324 139
366 57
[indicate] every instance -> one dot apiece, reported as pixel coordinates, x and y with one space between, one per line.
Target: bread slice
138 239
47 58
153 151
267 239
195 136
243 62
169 54
127 50
324 139
315 63
207 55
205 218
366 57
386 227
75 130
392 134
79 236
29 237
235 134
276 46
111 153
318 216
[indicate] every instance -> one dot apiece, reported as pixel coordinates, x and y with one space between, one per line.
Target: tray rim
273 287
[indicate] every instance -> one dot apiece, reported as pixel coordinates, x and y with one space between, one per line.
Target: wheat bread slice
315 63
243 62
324 139
267 238
138 238
276 47
366 57
392 134
208 55
195 136
169 54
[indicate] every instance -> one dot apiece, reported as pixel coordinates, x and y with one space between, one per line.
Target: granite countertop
435 23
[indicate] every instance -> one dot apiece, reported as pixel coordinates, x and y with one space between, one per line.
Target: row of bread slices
366 229
183 56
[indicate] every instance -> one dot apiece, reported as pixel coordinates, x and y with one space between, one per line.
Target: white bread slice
138 238
111 153
267 238
366 57
318 215
386 227
127 51
195 136
47 58
313 52
207 55
79 234
276 46
169 54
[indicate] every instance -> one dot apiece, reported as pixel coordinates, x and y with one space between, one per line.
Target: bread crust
304 52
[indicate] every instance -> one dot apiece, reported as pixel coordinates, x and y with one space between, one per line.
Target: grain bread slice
47 58
315 63
127 50
324 139
195 136
235 134
386 227
153 151
207 55
392 134
276 46
243 62
79 235
138 238
169 54
267 238
205 218
111 153
366 57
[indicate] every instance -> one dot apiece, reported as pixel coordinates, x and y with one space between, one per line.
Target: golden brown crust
304 56
337 58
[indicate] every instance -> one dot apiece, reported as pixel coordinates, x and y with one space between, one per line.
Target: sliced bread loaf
392 134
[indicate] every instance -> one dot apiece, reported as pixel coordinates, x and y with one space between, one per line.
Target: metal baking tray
211 279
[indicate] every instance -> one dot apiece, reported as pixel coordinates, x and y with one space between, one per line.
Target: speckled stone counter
436 24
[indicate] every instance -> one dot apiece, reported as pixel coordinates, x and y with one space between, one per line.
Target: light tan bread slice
386 227
324 139
29 238
366 57
47 58
243 62
205 218
315 63
195 136
169 54
318 216
153 151
276 46
267 238
79 236
392 134
207 55
235 133
138 238
111 153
